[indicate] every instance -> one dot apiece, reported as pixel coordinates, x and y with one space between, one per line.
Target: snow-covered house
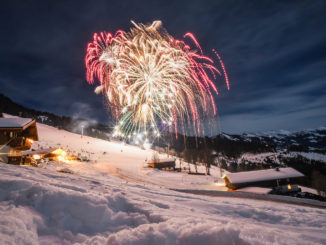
168 163
262 178
16 135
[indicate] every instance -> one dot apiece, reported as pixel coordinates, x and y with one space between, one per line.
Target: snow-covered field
116 199
39 206
116 158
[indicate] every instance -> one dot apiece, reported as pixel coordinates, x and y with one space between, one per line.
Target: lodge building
16 135
262 178
162 164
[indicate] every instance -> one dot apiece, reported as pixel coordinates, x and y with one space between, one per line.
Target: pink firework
152 80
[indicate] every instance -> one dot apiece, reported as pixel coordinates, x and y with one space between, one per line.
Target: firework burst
153 81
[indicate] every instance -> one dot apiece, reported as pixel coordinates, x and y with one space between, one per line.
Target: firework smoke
153 81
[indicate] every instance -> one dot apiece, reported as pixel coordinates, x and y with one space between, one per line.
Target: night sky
274 52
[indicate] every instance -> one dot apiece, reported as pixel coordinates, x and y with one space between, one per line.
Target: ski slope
117 158
115 199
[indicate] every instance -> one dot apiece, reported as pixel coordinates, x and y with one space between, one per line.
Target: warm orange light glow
289 187
30 141
61 155
36 157
59 152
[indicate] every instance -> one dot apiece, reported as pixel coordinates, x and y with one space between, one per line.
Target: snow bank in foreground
40 206
174 231
55 212
43 206
18 225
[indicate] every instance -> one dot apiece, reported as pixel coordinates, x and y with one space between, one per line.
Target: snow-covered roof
165 160
262 175
14 122
40 151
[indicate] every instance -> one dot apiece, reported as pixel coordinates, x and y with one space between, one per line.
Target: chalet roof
40 151
262 175
14 122
164 160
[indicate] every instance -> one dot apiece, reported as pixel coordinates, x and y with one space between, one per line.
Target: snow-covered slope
41 206
126 161
114 199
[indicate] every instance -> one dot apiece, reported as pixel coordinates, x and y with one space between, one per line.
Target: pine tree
187 156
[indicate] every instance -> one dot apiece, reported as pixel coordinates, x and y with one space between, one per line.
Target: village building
32 156
262 178
56 154
16 135
162 164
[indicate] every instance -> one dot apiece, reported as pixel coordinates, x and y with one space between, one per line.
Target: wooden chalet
162 164
262 178
16 135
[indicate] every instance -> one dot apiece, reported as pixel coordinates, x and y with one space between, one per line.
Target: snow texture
40 151
115 199
38 206
310 156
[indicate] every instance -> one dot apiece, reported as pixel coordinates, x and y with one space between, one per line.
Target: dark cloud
274 52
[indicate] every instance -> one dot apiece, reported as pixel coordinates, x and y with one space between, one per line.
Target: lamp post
168 149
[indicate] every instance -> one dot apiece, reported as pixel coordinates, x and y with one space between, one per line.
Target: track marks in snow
64 210
73 188
159 205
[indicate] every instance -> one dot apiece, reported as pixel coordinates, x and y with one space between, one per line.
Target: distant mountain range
312 140
306 140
